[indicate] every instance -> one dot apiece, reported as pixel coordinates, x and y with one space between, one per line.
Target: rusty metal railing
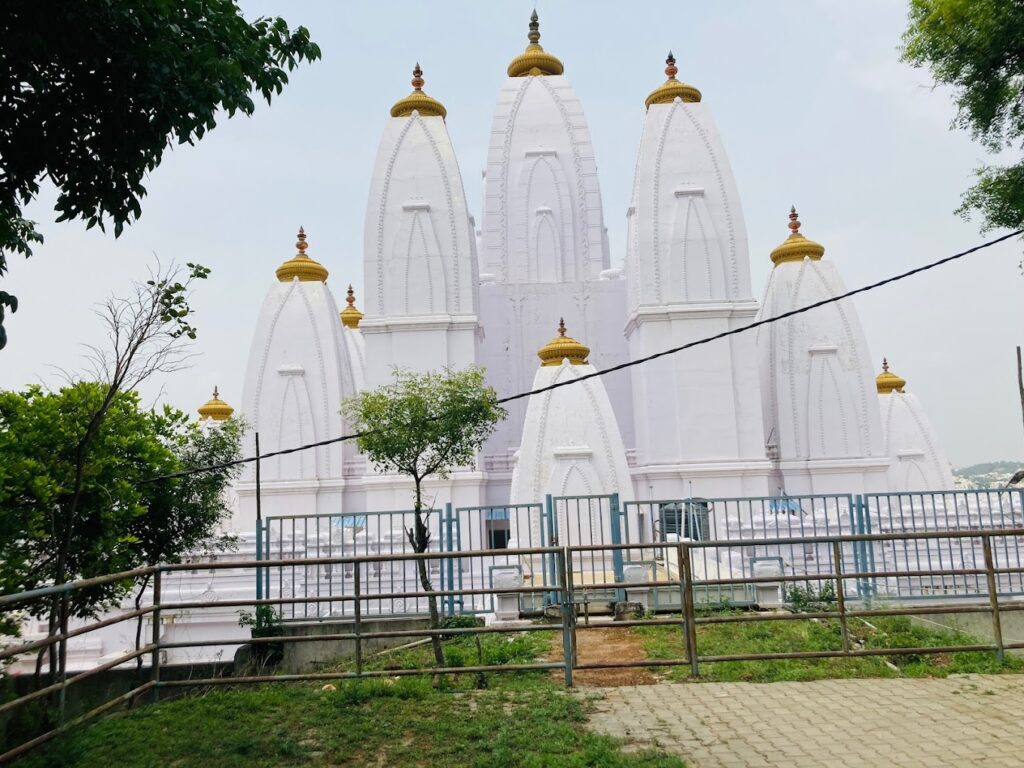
571 584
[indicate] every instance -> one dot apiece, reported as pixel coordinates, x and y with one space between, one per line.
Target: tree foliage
120 521
977 47
93 93
425 425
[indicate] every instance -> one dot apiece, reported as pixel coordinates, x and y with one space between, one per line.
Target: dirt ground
599 644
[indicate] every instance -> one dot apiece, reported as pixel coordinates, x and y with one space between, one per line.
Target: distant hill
993 474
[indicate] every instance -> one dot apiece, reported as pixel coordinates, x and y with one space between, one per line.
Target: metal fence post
563 589
359 619
686 585
155 663
449 563
837 564
259 556
62 655
993 597
550 540
572 603
616 532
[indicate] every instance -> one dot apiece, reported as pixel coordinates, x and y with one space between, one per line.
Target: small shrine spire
300 265
796 247
215 409
418 101
534 61
888 382
672 89
350 316
563 347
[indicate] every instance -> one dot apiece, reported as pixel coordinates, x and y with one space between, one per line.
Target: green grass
782 636
520 719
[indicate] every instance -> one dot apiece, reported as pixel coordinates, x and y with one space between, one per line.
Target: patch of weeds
810 598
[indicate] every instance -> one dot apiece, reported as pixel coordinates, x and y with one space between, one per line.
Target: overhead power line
631 363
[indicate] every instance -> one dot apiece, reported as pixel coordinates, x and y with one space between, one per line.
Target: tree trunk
419 537
1020 381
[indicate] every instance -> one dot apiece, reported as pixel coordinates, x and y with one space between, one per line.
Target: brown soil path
597 644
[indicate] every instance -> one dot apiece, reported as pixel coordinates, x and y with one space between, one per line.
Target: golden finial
534 35
671 89
534 61
215 408
418 100
300 265
670 67
796 247
350 316
887 381
794 221
563 347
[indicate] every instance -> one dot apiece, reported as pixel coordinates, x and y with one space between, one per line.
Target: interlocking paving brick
929 723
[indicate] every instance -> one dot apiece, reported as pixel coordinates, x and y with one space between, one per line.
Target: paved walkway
966 720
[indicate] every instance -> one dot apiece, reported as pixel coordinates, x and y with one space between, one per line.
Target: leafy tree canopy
977 47
92 93
425 424
121 521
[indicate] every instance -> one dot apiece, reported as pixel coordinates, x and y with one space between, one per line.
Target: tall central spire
534 61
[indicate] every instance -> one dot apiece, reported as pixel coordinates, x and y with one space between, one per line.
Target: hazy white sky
812 101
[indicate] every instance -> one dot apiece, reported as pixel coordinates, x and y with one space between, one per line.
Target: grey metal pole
358 607
566 607
993 597
155 664
688 613
837 562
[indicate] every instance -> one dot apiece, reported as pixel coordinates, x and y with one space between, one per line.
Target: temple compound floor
957 721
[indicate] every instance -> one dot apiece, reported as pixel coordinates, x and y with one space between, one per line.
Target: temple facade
792 408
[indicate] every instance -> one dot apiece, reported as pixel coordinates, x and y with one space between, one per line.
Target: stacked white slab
698 413
820 408
918 460
544 247
300 369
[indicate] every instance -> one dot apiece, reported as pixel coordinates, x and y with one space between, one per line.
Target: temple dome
671 89
418 101
563 347
215 408
350 316
301 266
887 381
534 60
796 247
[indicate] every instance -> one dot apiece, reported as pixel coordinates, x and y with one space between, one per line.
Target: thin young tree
148 333
425 425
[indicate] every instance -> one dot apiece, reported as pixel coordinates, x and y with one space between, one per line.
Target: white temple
791 409
788 410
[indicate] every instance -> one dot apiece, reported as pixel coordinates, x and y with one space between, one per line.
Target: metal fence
745 526
568 595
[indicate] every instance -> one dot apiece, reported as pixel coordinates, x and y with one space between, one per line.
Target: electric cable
630 363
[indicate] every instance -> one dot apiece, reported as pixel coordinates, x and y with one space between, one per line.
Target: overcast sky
813 103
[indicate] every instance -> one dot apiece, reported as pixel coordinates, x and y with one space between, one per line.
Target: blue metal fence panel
939 511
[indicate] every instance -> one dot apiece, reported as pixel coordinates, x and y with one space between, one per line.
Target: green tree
977 47
425 425
121 521
92 94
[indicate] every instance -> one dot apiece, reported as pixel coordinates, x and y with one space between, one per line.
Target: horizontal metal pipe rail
564 589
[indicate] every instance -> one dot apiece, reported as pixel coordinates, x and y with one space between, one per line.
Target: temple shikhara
791 409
